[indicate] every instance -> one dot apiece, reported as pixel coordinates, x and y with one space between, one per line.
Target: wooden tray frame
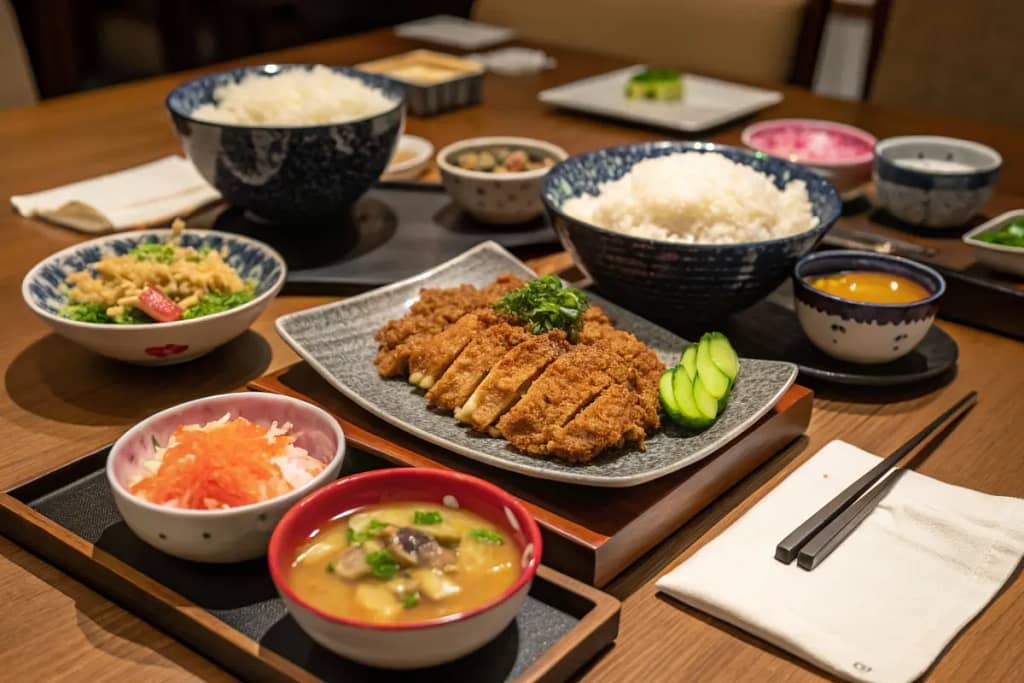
166 609
589 533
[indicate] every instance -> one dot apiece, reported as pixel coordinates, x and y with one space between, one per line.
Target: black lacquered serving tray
395 231
233 615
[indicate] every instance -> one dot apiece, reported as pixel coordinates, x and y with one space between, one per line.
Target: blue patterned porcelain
934 198
861 332
671 281
287 173
44 291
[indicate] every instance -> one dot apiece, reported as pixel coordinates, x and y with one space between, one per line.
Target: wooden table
59 401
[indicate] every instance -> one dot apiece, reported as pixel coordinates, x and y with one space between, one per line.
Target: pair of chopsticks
814 540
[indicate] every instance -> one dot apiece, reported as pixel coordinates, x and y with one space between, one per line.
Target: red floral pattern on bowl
166 350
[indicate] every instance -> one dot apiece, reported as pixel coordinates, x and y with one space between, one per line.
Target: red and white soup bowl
414 644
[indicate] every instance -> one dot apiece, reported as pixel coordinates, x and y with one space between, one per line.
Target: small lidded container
434 82
863 307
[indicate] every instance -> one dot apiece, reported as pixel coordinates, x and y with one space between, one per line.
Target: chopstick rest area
917 570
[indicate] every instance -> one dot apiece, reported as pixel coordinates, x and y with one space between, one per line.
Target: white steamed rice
296 97
697 198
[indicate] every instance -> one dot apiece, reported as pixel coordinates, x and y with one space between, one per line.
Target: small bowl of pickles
999 243
864 307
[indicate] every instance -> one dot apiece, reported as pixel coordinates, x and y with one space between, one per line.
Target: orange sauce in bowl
872 287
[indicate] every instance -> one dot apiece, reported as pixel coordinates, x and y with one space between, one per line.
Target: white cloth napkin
150 194
888 600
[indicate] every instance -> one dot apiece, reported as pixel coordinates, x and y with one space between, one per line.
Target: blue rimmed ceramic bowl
45 292
287 173
673 281
861 332
933 181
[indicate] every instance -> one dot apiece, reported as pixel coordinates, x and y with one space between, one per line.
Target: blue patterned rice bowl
675 281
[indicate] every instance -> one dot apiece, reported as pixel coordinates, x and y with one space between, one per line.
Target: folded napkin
887 601
150 194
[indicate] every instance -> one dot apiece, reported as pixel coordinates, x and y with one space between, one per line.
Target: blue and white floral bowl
673 281
45 292
860 332
287 174
933 181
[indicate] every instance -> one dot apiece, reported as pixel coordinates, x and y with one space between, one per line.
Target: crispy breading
436 309
564 388
431 358
612 420
468 370
640 357
510 378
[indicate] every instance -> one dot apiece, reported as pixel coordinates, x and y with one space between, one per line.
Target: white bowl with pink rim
839 152
230 535
416 644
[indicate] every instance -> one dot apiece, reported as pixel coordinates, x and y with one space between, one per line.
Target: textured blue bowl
45 293
671 281
286 173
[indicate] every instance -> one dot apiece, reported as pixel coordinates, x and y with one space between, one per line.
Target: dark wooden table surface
59 401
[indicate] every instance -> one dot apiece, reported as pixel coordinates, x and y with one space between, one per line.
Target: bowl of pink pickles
841 153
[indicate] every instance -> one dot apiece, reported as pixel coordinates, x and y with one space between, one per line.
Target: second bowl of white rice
687 230
291 143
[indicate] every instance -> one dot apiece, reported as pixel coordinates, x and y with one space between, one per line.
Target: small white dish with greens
155 297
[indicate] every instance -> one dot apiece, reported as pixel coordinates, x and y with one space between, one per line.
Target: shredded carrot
222 465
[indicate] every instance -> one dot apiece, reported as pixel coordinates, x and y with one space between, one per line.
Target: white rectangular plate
337 341
445 29
706 102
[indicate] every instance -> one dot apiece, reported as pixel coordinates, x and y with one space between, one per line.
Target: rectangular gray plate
337 341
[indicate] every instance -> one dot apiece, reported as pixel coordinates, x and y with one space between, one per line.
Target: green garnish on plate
655 84
546 305
217 302
486 536
426 517
1011 235
411 600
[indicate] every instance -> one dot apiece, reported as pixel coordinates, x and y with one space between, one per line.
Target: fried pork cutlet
613 419
436 309
431 357
567 385
510 378
644 361
466 372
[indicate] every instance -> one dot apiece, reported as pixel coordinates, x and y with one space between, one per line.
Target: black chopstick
788 549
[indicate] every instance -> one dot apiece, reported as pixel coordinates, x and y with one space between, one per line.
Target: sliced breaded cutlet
472 365
431 356
640 357
612 420
510 378
565 387
436 309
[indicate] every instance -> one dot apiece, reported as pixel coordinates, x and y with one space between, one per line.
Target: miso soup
404 562
869 286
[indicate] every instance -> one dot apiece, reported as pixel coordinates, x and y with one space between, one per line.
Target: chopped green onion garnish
426 517
411 600
487 536
382 564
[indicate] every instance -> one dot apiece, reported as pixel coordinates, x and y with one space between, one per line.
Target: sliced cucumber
714 380
667 396
682 388
723 355
689 361
706 403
